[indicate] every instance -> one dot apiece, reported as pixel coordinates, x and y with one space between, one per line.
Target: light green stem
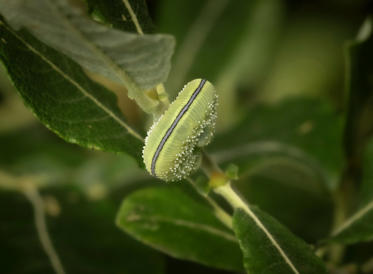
162 95
223 216
31 192
237 202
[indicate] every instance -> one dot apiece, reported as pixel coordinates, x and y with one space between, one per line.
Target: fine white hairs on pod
171 147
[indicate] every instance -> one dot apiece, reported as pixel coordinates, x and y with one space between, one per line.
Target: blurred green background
279 69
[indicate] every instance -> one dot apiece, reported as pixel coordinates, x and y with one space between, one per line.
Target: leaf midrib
189 224
121 74
354 218
237 203
77 85
259 223
133 17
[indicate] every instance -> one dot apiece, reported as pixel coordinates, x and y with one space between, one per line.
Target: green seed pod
171 147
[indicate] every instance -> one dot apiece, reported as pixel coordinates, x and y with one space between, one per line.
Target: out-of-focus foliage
83 232
171 221
285 121
358 133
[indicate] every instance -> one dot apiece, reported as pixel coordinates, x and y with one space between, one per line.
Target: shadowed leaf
173 222
273 249
129 15
63 97
358 132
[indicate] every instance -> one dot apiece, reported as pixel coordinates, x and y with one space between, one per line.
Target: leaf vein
192 225
358 215
77 85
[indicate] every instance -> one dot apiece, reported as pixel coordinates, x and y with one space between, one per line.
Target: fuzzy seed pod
171 147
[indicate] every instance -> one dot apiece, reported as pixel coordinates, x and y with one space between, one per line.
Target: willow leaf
359 123
170 220
269 247
63 97
358 134
139 62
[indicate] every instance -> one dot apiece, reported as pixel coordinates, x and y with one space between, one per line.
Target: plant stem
344 203
232 197
345 196
162 100
220 213
223 216
163 96
32 193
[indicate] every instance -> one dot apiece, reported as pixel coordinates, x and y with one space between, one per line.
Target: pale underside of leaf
138 62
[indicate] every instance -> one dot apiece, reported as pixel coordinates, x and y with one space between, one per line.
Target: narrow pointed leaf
172 221
358 135
269 247
63 97
359 122
359 226
139 62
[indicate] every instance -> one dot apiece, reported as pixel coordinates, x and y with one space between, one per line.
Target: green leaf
290 190
269 247
284 166
63 97
128 15
35 152
82 232
293 70
358 133
359 123
358 227
138 62
299 127
366 190
249 29
173 222
10 104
